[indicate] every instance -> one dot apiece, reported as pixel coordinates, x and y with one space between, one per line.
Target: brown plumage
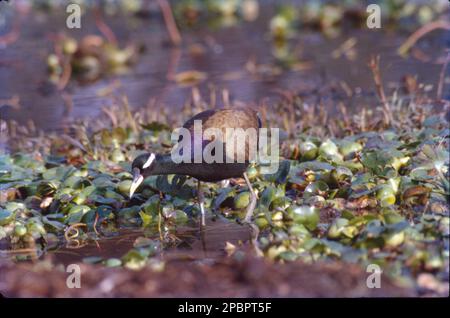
222 119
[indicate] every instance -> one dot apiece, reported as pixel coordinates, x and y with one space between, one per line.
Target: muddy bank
250 277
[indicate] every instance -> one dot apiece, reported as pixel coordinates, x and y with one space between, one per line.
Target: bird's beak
137 180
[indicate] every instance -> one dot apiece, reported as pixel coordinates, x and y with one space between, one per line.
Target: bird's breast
213 172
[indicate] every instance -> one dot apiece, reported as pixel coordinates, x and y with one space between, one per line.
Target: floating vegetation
189 78
88 59
326 16
372 196
330 16
363 183
216 13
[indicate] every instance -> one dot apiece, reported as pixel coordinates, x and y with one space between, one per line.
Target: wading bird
221 119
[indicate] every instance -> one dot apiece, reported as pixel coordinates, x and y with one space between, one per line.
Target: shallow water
225 54
190 244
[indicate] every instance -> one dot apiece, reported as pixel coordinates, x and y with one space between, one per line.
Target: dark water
193 245
186 243
225 54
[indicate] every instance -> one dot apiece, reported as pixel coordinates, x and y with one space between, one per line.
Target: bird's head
141 168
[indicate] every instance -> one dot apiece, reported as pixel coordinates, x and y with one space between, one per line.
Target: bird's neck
164 165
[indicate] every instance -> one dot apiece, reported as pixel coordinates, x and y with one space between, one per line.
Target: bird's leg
253 198
254 230
201 200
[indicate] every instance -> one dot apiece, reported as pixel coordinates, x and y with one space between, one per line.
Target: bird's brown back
227 118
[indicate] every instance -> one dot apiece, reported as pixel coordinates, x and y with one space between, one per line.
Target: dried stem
442 78
73 227
14 34
129 115
65 76
169 20
374 65
11 37
104 28
95 224
409 43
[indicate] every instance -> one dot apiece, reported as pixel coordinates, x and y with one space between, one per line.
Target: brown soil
230 277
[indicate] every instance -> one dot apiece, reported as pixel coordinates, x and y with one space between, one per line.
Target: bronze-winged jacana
156 164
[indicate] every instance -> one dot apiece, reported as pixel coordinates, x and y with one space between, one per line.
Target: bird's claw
254 231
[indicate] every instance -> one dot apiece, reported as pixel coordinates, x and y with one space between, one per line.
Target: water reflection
225 55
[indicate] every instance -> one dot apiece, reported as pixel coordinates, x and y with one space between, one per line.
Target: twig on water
65 63
11 37
226 98
104 28
175 55
440 87
14 34
409 43
374 65
19 251
68 104
171 26
65 76
70 244
95 224
74 228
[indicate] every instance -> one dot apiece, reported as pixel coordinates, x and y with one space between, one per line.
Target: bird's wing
227 118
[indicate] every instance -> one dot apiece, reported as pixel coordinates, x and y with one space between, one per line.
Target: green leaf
6 216
146 218
281 174
223 194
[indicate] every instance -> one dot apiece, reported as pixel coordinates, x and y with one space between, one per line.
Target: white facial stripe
149 161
